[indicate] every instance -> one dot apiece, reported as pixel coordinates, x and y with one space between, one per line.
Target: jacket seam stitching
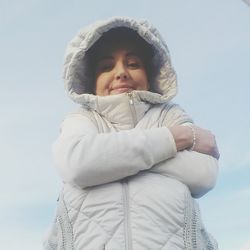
80 212
171 236
152 219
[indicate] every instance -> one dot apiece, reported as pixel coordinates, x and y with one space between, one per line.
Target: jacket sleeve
86 157
198 171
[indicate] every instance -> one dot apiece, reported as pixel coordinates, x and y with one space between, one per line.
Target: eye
134 65
104 66
134 62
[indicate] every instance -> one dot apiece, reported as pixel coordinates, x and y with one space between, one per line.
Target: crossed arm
86 157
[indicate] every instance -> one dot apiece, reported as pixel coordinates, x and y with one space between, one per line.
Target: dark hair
117 38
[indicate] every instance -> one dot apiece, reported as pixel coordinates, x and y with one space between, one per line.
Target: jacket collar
122 109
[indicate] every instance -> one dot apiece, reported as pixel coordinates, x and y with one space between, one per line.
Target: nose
121 72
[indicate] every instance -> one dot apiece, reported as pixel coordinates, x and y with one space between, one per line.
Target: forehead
113 53
112 47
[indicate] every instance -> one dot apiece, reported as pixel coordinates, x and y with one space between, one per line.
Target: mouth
121 89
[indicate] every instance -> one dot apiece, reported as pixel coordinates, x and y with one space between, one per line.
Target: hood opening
78 70
116 38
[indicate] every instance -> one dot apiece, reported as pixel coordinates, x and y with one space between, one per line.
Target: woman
130 159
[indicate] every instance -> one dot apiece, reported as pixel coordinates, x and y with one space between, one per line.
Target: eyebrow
107 57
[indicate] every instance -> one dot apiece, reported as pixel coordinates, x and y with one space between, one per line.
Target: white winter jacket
125 185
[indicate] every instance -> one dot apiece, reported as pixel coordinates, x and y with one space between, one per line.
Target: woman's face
120 71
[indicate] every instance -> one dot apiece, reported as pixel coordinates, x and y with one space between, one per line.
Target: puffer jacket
125 185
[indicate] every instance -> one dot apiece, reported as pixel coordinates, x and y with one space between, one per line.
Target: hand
205 141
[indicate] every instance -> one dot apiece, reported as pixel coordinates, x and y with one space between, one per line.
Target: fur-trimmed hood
76 73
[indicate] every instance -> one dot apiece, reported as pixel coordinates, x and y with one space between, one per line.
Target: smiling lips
121 89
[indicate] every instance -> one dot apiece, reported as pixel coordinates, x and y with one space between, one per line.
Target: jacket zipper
127 226
125 191
132 108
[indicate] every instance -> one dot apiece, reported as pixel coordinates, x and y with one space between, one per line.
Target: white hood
76 74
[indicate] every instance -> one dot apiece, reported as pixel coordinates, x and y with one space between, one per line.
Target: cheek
101 85
98 88
143 80
98 85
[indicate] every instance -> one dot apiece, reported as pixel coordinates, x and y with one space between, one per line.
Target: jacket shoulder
170 114
175 115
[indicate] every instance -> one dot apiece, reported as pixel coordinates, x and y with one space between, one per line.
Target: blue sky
209 43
